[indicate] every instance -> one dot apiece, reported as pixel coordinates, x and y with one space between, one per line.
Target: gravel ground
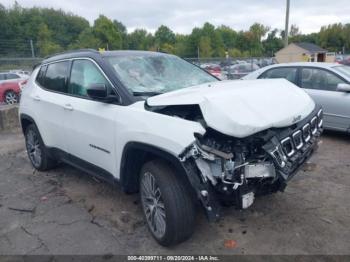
64 211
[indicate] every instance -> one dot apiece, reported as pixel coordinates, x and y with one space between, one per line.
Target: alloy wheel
153 205
34 148
11 98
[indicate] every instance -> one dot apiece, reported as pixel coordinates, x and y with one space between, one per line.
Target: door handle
36 98
68 107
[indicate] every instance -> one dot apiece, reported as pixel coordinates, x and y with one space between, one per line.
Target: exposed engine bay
234 171
249 147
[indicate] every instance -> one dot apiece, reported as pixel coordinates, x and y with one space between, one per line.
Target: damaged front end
224 169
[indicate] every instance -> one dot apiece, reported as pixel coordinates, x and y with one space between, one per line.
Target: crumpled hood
242 108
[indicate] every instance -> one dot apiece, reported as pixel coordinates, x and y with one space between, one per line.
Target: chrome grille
320 118
288 146
306 133
299 138
313 125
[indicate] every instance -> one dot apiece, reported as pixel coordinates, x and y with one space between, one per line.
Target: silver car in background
327 83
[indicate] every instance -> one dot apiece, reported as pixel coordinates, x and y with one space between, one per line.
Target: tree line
52 31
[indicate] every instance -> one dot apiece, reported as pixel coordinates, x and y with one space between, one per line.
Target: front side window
343 69
2 76
314 78
142 74
288 73
84 73
56 76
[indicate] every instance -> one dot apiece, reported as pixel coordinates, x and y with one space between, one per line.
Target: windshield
345 70
151 74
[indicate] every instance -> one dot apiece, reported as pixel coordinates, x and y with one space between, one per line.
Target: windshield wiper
146 93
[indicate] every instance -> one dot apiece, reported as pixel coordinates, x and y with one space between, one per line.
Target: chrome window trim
72 60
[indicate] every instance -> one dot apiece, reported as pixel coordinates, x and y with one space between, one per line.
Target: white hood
242 108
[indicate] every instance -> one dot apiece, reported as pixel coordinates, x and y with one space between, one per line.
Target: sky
183 15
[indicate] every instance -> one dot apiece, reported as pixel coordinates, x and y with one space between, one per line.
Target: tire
11 97
172 204
37 152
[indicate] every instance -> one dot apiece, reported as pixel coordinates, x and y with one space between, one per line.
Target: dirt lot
66 212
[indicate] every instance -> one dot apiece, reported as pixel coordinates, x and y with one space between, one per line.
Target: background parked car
214 70
239 70
345 60
327 83
11 85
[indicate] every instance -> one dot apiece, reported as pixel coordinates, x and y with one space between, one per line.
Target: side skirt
84 166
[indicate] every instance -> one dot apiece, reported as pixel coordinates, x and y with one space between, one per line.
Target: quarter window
288 73
313 78
56 76
84 73
41 75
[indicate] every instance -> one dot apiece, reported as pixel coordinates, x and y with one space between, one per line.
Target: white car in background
327 83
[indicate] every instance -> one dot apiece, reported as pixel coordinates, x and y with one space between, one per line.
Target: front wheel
168 208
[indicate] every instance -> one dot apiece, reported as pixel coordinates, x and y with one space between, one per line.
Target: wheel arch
25 121
135 154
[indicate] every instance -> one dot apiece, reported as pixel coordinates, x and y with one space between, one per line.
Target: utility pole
32 48
287 25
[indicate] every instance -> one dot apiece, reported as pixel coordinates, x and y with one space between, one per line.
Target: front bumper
287 149
291 148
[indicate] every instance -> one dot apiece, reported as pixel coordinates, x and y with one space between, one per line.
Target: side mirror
97 91
343 87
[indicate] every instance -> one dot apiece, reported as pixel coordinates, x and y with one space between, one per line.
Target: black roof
312 48
92 53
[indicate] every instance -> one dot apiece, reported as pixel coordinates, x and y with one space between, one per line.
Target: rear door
49 99
321 85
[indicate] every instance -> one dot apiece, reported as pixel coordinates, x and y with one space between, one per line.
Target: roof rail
72 51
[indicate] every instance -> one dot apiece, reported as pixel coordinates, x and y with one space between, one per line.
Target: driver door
90 125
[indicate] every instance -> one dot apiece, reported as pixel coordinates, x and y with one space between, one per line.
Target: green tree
45 44
86 39
140 40
164 35
106 32
205 47
272 43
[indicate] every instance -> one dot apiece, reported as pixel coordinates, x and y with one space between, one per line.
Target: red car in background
213 69
11 85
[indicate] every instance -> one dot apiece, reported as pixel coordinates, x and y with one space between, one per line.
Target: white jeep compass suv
158 125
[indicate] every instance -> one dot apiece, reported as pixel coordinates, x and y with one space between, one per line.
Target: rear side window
288 73
56 77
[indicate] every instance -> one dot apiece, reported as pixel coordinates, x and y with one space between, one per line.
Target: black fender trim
26 117
188 173
130 166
